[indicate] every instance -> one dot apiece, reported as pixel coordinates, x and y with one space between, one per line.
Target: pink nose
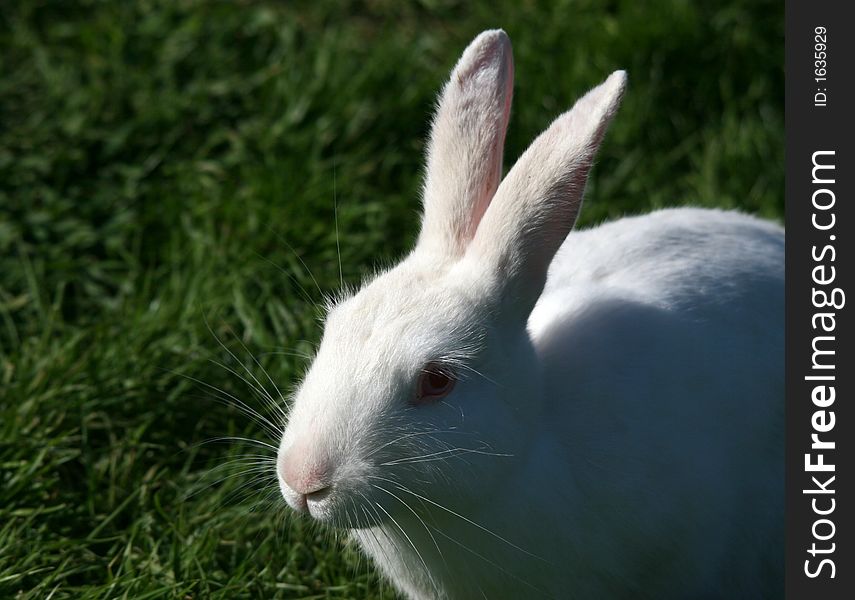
304 474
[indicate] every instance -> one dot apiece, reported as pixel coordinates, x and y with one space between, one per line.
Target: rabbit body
657 466
520 411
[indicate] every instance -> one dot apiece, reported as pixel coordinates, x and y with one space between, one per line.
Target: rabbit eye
434 383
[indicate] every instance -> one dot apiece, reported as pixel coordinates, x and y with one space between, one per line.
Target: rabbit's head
426 382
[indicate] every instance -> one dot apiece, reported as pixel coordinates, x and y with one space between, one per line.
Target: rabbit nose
311 478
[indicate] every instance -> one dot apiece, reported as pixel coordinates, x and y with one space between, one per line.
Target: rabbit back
661 343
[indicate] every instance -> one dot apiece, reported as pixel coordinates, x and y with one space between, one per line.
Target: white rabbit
515 412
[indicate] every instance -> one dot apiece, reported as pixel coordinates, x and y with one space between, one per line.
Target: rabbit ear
464 158
536 205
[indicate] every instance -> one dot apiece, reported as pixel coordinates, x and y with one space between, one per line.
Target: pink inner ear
467 140
488 167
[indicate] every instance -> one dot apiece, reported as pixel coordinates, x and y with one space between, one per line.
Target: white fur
617 427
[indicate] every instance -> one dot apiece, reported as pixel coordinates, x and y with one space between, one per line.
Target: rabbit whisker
456 514
416 550
306 296
412 435
232 438
271 402
472 369
442 454
242 473
262 394
335 217
487 560
374 517
302 355
228 399
246 490
399 499
299 258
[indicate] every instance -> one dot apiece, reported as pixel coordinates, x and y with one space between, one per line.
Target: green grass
163 164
